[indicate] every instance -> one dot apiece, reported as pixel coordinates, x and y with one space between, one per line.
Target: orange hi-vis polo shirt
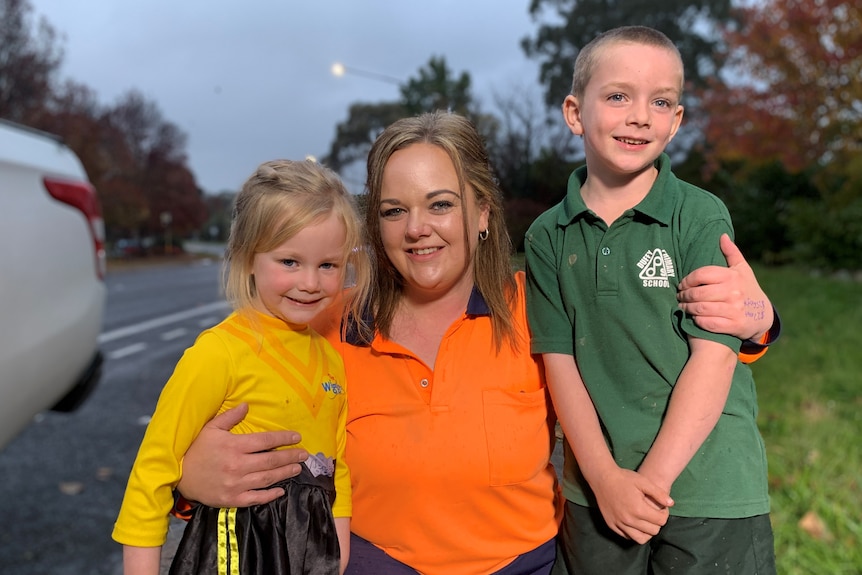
450 464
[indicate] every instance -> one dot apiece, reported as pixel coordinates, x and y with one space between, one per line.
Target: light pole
338 70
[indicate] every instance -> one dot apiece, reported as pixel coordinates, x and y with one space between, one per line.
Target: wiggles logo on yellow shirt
331 387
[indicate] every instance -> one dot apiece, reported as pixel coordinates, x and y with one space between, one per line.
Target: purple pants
367 559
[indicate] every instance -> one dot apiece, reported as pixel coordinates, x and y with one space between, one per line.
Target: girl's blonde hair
277 201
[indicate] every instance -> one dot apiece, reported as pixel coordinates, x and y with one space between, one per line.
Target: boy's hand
633 506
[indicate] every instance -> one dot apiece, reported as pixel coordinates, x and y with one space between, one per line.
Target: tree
529 152
687 23
792 92
354 136
158 169
28 63
75 115
792 96
434 88
135 158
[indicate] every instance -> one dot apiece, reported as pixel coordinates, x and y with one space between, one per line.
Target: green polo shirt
607 295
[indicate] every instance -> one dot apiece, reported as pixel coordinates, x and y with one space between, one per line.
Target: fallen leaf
104 473
71 487
812 524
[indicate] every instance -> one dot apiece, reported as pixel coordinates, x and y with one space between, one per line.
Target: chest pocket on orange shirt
516 430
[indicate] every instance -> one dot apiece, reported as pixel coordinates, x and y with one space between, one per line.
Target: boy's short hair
588 56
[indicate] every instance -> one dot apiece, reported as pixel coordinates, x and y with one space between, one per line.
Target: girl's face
299 278
630 109
422 221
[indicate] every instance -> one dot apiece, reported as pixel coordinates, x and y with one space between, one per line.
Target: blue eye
442 206
288 263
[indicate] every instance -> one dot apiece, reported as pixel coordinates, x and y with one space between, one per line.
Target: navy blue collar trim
476 306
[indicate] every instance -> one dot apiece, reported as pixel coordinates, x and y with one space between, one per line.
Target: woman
449 434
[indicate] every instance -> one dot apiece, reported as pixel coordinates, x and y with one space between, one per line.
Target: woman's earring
483 235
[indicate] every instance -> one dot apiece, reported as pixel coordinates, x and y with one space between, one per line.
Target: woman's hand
222 469
727 300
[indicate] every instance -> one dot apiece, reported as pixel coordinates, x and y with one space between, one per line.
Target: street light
338 70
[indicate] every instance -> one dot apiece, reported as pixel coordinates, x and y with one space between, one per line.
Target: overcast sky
249 81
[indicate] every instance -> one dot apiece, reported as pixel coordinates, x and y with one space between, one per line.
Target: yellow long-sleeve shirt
291 379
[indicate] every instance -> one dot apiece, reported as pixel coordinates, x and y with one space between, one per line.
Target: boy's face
630 108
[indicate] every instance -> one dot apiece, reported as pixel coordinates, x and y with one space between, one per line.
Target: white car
52 266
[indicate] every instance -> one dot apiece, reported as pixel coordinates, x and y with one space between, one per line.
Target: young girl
294 233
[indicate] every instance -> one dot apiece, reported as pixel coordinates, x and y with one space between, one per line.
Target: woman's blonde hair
492 268
277 201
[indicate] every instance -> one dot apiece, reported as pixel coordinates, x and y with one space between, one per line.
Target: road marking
128 350
208 322
160 321
174 334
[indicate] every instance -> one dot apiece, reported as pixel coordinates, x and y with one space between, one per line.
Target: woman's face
421 215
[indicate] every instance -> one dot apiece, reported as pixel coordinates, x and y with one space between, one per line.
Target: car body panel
52 298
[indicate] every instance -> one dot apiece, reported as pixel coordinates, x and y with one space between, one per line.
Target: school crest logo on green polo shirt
656 267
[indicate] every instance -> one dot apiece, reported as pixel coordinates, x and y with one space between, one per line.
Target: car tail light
82 195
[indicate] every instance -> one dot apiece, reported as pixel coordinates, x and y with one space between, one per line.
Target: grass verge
810 396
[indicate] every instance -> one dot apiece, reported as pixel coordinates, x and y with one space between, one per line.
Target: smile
424 251
300 302
632 142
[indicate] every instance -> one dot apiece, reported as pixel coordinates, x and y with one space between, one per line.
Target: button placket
607 272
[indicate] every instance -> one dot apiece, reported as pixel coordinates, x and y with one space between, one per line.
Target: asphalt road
62 479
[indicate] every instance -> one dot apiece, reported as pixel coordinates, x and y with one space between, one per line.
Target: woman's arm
222 469
727 299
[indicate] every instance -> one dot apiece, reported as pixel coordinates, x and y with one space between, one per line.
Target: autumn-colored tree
791 96
75 115
153 169
176 203
792 89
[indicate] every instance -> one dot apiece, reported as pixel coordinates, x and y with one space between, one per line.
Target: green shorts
684 546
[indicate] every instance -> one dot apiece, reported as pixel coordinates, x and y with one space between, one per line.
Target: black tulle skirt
293 535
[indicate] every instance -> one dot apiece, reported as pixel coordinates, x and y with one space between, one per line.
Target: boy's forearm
577 415
696 403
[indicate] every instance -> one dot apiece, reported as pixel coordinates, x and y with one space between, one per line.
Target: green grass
810 396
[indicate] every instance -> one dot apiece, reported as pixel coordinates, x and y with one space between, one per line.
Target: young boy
654 407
